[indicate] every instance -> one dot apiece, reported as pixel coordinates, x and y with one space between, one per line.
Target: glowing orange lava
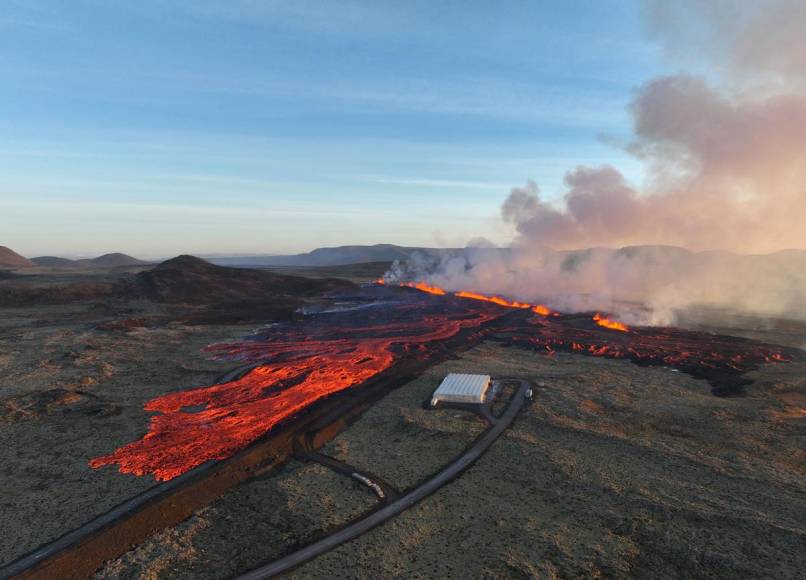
305 367
542 310
423 287
536 308
611 324
494 299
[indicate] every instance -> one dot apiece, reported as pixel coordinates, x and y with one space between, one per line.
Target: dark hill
192 280
115 260
11 260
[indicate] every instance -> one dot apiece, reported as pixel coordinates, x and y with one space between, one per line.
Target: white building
461 388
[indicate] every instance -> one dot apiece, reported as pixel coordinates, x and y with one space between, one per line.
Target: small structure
462 388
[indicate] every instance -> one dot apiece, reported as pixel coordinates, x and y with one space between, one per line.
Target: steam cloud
725 171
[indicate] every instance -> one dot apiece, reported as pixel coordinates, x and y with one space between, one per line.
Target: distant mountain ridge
332 256
114 260
346 255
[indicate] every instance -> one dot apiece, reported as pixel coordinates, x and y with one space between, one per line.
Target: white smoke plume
725 164
639 284
725 172
749 42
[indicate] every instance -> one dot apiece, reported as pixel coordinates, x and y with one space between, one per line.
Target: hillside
115 260
195 281
11 260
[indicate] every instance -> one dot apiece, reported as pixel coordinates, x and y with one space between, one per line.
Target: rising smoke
725 161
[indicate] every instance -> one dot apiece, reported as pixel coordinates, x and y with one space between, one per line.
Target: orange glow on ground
542 310
423 287
494 299
536 308
611 324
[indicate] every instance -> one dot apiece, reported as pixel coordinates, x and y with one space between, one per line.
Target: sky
164 127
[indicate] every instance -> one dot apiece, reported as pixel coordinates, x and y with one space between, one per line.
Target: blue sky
160 127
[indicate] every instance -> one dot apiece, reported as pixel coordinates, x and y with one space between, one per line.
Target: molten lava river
302 362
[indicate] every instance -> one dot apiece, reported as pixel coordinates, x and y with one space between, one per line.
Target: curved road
384 490
401 504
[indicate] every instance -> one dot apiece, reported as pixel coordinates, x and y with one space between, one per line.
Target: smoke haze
639 284
725 173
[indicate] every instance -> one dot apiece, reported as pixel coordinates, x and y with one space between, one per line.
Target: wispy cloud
437 183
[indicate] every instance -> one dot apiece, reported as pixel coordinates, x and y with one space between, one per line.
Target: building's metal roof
462 388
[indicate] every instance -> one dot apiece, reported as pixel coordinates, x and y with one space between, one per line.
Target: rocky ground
71 390
615 470
81 351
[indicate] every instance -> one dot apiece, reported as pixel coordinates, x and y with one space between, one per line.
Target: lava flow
301 363
423 287
540 309
609 323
